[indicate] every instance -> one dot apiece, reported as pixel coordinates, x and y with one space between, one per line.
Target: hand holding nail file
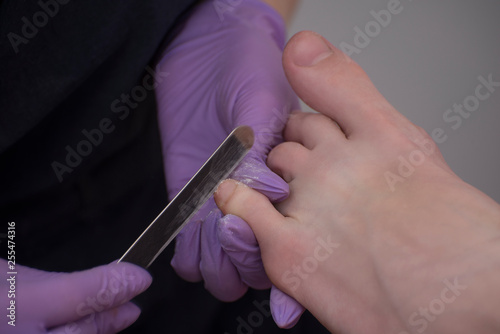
190 199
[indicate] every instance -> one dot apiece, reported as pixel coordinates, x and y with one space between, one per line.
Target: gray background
425 60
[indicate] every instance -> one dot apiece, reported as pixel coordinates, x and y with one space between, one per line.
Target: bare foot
378 234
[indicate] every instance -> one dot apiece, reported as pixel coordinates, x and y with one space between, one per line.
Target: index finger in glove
219 273
253 172
267 113
76 295
105 322
239 243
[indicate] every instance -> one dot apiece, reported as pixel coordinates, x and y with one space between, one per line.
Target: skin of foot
365 242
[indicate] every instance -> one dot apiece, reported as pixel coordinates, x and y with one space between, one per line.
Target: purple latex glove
224 70
85 302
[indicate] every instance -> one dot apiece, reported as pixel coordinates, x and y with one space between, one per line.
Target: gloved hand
224 70
85 302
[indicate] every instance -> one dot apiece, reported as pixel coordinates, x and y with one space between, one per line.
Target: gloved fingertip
144 282
287 319
228 293
130 266
186 272
273 186
111 320
118 319
255 174
139 275
135 278
286 311
233 230
129 312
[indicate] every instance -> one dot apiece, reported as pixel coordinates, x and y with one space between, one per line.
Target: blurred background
426 59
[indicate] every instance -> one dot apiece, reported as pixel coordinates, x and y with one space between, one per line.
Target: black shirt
80 158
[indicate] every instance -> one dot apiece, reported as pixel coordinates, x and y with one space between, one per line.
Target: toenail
311 51
224 191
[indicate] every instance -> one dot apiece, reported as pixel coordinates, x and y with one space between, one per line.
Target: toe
331 83
312 129
287 158
237 199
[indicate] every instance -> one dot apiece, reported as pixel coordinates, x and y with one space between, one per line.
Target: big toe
333 84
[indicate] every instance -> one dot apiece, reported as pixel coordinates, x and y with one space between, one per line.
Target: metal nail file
190 199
